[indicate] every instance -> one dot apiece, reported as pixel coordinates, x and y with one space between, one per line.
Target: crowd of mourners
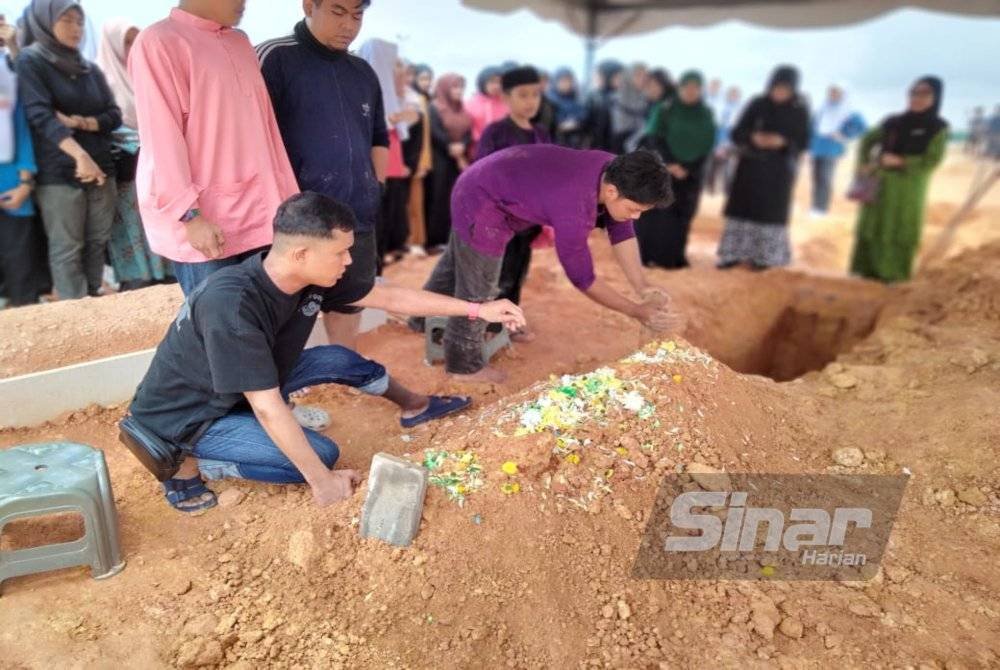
72 136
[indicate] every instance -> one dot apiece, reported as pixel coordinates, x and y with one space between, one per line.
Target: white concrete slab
35 398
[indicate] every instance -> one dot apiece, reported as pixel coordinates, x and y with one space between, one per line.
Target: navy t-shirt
329 109
237 332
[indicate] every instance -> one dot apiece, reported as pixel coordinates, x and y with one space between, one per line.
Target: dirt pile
544 538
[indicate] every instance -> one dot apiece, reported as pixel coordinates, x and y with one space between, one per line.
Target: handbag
864 188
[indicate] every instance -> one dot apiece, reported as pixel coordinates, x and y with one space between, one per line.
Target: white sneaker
417 250
311 417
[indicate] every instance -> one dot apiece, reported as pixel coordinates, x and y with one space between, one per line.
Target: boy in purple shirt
540 184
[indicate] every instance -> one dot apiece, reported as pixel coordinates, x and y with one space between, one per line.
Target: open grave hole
815 321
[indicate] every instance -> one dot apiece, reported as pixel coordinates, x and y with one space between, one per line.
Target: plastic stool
434 351
56 477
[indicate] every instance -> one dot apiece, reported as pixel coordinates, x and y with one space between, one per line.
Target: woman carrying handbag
910 146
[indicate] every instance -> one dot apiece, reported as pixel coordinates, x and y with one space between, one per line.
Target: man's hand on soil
339 485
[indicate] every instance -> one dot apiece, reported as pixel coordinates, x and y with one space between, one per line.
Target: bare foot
523 336
488 375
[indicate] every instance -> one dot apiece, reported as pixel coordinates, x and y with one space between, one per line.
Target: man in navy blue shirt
329 108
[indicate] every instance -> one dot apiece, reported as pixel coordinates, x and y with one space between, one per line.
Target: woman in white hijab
117 37
835 124
392 227
135 265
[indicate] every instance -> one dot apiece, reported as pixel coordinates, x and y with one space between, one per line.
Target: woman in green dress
903 152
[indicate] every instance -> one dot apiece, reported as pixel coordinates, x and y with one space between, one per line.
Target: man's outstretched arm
415 302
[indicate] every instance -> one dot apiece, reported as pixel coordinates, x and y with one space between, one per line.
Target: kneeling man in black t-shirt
220 380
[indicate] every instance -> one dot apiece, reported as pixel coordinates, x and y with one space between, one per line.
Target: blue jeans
238 446
823 170
189 275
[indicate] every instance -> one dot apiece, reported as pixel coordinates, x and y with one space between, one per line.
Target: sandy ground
907 375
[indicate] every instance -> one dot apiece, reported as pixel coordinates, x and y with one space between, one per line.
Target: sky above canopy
876 60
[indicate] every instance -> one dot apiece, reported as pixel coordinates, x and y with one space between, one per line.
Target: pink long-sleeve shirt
208 135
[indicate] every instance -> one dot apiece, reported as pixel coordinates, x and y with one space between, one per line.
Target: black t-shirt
237 332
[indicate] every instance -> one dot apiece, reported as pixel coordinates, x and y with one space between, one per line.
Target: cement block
395 502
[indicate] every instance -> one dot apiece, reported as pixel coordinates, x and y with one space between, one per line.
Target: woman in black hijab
608 78
902 153
771 134
423 80
72 112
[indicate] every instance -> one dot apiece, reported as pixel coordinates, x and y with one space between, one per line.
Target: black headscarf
484 76
662 77
35 30
909 133
784 74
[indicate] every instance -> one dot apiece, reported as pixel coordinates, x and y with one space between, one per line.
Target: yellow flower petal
510 468
622 451
573 458
678 379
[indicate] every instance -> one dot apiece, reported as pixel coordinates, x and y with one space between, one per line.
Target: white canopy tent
598 20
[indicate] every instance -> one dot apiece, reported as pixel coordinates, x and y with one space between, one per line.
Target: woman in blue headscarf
487 105
571 114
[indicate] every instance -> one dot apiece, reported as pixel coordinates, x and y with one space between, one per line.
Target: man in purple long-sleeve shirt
572 191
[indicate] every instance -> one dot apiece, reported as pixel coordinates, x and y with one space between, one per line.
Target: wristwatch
190 215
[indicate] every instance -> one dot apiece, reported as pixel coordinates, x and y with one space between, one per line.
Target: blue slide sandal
440 406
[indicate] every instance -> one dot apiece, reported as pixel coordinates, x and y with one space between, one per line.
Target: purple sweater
534 184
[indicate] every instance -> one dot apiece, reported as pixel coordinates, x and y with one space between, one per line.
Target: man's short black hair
313 215
640 177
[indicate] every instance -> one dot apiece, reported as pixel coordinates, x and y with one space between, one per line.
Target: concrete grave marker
395 502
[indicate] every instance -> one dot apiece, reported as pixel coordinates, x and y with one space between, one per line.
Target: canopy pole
589 48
